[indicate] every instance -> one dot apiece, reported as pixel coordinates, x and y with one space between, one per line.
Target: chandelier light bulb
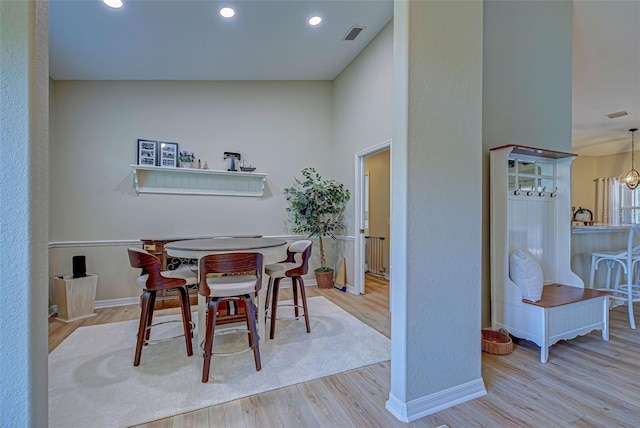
631 179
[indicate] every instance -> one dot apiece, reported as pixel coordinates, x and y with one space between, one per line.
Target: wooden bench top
558 295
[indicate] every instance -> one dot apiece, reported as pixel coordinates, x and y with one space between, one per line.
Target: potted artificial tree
317 207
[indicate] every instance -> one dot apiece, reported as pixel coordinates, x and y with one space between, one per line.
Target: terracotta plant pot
324 279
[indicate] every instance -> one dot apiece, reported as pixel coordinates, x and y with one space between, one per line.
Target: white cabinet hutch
531 209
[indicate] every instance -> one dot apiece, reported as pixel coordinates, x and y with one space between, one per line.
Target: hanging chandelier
631 179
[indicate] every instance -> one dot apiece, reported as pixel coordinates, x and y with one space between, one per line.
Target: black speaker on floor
79 266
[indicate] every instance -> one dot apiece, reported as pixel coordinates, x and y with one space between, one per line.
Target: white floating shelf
186 181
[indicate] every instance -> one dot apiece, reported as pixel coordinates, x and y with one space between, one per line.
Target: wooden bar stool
289 268
228 276
153 279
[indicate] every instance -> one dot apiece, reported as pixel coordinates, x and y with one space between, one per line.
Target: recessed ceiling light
315 20
227 12
116 4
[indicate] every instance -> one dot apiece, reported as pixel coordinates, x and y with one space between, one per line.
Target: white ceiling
189 40
271 40
606 75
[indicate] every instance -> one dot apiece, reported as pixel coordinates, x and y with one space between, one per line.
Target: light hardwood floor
586 383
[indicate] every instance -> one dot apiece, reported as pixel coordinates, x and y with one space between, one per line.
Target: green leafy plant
316 206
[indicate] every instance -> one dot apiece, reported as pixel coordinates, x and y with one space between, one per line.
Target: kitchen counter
589 239
599 228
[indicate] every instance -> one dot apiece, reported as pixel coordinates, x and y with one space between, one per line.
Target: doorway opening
373 214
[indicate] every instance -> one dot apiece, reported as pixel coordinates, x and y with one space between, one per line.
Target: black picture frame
168 154
147 152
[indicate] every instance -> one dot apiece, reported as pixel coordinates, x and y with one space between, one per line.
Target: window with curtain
608 201
616 205
630 205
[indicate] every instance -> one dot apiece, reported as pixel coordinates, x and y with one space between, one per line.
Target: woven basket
497 342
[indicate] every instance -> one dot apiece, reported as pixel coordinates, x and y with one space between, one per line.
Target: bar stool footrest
230 331
268 312
166 339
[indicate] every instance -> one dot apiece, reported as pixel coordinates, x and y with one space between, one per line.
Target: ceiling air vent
617 114
353 32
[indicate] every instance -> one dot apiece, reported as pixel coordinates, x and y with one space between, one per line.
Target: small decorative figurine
232 159
246 168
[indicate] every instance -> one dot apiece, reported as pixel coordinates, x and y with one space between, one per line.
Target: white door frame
358 272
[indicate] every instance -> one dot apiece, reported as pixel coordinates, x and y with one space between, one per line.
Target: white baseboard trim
99 304
126 301
346 238
112 303
430 404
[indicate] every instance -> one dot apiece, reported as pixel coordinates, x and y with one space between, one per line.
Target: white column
24 216
436 207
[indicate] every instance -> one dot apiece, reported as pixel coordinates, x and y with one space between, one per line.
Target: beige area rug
92 381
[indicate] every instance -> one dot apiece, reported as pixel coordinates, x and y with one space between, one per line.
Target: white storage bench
563 313
530 209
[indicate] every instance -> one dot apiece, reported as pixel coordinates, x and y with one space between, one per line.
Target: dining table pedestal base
271 249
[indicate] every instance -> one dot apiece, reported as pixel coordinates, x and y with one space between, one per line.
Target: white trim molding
102 243
126 301
101 304
112 303
345 238
359 255
430 404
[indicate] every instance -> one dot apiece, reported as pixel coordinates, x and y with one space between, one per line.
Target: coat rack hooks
533 191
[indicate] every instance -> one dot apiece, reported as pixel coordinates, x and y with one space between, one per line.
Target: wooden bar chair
228 276
153 279
289 268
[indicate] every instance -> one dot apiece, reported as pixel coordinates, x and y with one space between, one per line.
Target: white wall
526 88
280 127
362 117
436 185
587 168
24 126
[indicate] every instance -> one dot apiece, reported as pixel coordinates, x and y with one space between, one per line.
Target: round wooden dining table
271 249
197 248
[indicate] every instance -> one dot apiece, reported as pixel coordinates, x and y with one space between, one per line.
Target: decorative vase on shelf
186 164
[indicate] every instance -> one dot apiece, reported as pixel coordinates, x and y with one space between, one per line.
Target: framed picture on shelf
147 152
168 155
